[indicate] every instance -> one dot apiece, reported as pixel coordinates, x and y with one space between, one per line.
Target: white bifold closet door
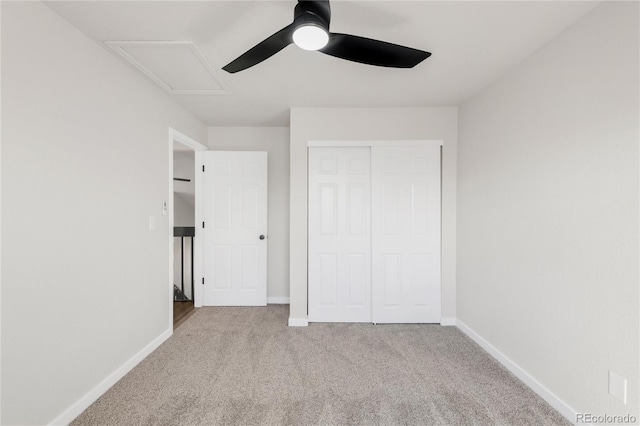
339 235
374 234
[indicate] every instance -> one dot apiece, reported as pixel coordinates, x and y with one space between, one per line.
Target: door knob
262 237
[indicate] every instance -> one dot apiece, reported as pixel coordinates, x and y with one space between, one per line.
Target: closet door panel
339 235
405 234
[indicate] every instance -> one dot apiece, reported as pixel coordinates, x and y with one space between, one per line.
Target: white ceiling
473 43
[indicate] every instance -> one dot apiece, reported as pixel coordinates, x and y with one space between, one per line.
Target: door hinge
203 224
202 280
203 167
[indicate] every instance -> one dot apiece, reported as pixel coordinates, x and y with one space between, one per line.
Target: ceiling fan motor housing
312 13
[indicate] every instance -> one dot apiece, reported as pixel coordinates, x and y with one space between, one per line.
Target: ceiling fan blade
373 52
263 50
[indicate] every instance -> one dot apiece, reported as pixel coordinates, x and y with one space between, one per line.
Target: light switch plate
617 387
152 223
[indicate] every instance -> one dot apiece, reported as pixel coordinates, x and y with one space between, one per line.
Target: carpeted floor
244 366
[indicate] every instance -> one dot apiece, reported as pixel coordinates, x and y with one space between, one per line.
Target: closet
374 234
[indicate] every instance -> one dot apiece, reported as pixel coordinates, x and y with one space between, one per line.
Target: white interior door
235 262
339 235
406 234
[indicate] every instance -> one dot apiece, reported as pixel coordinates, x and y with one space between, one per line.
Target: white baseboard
277 300
76 409
298 322
562 407
447 321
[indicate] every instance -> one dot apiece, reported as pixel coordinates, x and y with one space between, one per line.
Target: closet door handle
262 237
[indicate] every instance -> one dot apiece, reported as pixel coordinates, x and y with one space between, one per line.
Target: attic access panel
179 67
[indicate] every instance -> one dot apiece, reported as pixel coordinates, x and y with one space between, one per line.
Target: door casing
198 246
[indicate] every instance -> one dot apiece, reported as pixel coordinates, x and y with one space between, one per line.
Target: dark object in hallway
178 295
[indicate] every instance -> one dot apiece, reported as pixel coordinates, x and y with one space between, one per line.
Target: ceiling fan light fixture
310 37
310 31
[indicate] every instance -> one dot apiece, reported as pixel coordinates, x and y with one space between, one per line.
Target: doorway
185 195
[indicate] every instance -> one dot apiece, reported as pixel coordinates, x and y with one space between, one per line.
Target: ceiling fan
310 31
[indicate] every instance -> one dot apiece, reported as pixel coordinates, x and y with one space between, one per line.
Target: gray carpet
244 366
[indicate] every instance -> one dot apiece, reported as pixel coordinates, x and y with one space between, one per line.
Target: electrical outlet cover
617 387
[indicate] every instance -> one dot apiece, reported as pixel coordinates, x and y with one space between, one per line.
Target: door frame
198 246
347 143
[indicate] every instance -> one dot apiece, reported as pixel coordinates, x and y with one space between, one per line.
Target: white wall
274 140
85 162
369 124
184 192
548 211
183 212
0 219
